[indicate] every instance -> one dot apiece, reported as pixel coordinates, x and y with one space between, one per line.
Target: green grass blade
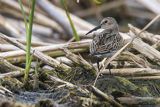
24 15
29 38
77 38
28 27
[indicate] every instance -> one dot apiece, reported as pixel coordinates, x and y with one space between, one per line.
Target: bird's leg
109 68
98 66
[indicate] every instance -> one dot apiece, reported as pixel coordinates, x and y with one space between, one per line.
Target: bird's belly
104 55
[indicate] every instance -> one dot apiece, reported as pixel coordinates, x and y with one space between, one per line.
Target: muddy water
34 97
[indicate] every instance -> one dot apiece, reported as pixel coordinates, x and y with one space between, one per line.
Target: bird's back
106 43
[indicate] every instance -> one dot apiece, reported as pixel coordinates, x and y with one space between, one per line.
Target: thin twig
133 72
135 100
145 78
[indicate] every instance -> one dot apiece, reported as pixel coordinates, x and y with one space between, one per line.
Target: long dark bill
98 27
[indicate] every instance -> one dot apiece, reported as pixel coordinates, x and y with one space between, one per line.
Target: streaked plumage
107 42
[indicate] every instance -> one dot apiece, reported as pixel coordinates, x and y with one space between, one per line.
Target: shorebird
106 42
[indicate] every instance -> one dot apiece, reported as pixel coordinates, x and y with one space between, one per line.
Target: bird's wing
103 43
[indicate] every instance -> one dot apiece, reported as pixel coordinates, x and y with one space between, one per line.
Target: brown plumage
108 41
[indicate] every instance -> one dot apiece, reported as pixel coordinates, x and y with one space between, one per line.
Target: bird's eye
105 21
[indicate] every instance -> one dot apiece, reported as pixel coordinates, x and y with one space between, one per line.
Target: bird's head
106 23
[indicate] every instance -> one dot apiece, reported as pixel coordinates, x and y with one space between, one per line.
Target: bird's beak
98 27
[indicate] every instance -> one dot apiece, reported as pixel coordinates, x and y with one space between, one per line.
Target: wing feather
105 42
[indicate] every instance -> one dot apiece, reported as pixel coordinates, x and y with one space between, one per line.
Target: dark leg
109 67
98 66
